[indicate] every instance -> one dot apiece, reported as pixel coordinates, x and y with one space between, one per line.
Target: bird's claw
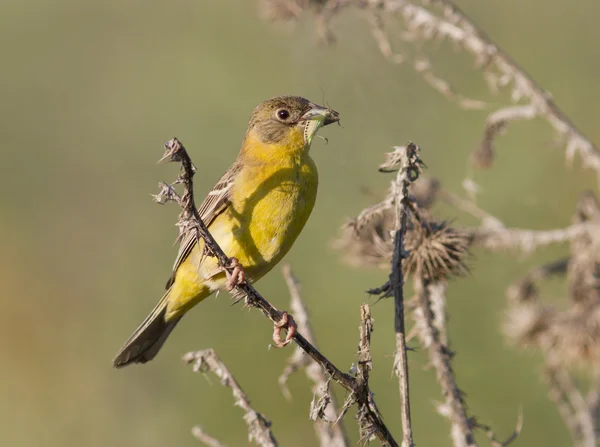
237 275
287 322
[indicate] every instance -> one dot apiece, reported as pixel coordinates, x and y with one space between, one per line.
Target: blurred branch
463 31
189 220
571 406
494 235
328 425
529 240
526 289
448 22
431 330
204 437
259 428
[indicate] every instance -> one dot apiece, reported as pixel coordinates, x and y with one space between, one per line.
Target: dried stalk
431 330
407 162
189 220
571 406
328 426
366 404
204 437
259 428
529 240
492 234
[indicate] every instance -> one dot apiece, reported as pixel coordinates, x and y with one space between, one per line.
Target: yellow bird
255 212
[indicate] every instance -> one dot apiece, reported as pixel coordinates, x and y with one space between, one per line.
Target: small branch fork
189 220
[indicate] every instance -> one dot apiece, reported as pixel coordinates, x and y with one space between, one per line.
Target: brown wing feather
214 204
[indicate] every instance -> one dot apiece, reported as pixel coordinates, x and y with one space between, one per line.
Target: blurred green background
89 92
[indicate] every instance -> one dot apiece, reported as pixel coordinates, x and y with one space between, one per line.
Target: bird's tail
147 339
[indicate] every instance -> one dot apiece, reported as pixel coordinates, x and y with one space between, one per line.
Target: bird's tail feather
148 338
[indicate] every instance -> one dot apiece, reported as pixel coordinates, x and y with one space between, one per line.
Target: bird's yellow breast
269 207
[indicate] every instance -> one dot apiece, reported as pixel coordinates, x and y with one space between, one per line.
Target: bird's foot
287 322
237 275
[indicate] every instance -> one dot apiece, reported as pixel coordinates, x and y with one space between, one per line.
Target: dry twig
204 437
259 428
366 404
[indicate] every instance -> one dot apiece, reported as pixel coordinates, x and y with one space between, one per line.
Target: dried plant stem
189 220
431 331
328 426
204 437
529 240
406 159
494 235
366 404
259 428
571 406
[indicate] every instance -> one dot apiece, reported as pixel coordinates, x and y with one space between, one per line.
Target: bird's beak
316 118
325 115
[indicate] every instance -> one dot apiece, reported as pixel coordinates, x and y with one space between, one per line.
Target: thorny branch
324 409
406 160
189 220
259 428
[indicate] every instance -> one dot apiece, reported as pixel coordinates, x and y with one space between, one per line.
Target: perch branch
259 428
189 220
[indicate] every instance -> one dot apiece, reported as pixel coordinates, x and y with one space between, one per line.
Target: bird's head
288 121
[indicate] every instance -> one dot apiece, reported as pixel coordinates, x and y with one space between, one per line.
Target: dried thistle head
528 325
483 156
569 338
425 192
368 241
436 250
584 265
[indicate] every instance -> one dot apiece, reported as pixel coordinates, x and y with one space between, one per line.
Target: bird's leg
237 275
287 322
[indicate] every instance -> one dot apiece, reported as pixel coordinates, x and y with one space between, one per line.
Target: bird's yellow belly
272 220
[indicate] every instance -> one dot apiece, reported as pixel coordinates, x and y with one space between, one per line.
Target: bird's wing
214 204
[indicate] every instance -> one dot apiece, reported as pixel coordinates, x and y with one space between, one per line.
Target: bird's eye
283 114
